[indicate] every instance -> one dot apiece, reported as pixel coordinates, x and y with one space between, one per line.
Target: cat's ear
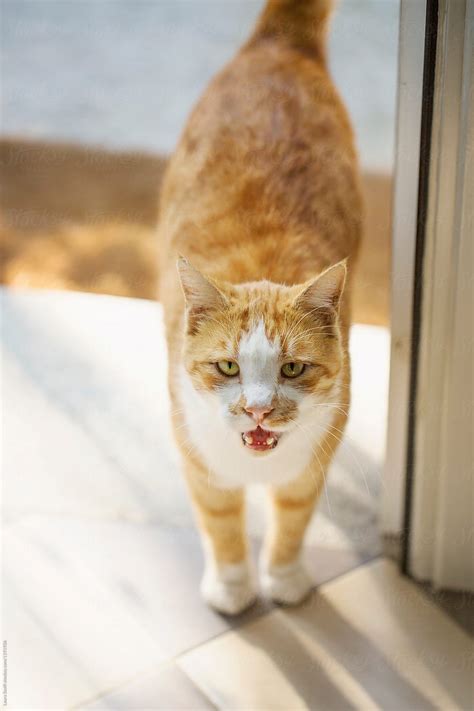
200 294
324 293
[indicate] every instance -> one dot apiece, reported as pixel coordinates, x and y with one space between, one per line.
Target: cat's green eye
292 370
228 367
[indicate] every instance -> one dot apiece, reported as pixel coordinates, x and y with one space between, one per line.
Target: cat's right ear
200 294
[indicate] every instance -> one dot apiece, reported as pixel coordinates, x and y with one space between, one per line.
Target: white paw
229 589
287 584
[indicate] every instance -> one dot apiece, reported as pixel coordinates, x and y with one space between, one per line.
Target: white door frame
405 217
440 522
429 484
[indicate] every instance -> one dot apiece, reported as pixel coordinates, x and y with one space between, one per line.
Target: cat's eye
292 370
228 367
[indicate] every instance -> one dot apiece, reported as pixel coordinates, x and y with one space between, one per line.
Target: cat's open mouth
260 440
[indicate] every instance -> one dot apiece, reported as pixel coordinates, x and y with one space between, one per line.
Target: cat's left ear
324 293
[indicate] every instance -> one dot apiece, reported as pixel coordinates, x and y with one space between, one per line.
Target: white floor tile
68 637
167 689
424 646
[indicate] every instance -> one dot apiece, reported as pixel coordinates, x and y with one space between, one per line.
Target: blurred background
95 94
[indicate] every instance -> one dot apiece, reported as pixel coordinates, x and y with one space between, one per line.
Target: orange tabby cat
262 197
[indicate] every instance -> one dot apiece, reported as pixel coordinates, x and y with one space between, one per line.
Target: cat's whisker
293 328
179 427
329 404
353 455
177 411
316 329
297 323
332 406
322 470
191 449
346 440
304 334
340 441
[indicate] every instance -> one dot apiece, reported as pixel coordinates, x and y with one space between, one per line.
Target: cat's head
264 356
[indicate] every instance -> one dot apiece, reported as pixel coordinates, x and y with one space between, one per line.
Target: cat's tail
301 23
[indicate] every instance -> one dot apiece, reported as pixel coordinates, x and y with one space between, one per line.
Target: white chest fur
229 463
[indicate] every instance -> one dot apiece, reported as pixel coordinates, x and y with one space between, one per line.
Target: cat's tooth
270 440
248 439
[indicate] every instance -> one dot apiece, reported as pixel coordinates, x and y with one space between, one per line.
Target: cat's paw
286 584
230 589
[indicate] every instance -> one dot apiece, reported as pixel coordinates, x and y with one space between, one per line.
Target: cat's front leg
284 577
228 584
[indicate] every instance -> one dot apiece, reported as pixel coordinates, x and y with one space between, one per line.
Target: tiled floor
102 562
367 640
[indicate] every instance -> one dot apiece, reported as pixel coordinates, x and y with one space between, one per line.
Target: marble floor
101 561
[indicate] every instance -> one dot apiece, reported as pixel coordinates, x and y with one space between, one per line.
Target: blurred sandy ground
124 76
84 219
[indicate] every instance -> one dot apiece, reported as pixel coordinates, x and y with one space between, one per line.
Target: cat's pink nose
258 413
